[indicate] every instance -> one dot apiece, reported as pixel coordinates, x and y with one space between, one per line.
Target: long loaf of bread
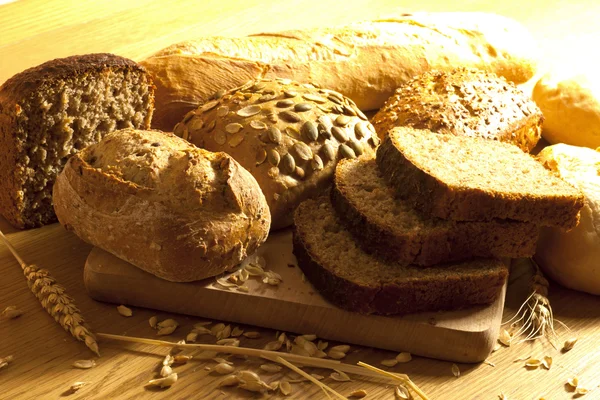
365 61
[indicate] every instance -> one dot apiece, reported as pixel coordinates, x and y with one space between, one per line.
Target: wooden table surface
34 31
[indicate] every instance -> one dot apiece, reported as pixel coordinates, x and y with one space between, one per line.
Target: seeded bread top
465 103
473 163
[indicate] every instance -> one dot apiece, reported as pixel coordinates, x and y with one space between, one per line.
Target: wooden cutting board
294 306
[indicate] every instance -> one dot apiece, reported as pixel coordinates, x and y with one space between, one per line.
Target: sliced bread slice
390 228
475 179
356 281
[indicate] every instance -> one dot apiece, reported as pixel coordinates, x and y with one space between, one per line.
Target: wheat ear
55 300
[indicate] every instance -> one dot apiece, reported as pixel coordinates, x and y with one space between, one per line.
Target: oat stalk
535 318
398 377
55 300
269 355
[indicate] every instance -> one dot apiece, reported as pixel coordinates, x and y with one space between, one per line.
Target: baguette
365 61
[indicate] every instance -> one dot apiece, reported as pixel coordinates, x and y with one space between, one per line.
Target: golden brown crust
150 198
464 103
280 131
366 61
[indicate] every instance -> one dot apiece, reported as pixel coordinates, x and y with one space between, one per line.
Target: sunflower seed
284 103
309 131
302 107
249 111
209 106
271 368
164 382
223 333
233 127
358 394
361 131
316 163
223 368
328 152
339 376
569 344
338 133
220 137
153 321
252 335
389 363
285 388
402 393
356 146
290 93
258 125
230 380
346 151
288 164
77 385
404 357
314 97
349 111
236 139
290 116
124 311
303 151
455 370
166 371
84 364
342 120
222 111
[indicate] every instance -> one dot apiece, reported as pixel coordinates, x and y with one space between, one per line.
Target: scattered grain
11 312
223 368
164 382
84 364
252 335
358 394
402 393
124 311
455 370
339 376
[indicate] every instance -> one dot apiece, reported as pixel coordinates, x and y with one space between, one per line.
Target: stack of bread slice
429 224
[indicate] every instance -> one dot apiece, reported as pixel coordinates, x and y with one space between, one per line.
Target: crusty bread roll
464 103
573 258
288 135
570 100
167 207
365 61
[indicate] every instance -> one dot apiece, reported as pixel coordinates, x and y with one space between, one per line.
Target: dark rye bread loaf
390 228
464 103
356 281
49 112
475 179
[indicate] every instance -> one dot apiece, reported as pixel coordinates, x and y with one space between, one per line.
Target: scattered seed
339 376
201 330
164 382
309 337
206 355
271 368
166 330
11 312
77 385
455 370
581 391
317 377
166 370
228 342
402 393
84 364
358 394
230 380
389 363
237 332
124 311
496 347
223 368
261 156
321 345
273 157
574 382
217 328
249 111
252 335
236 139
300 350
153 321
569 344
181 359
403 357
344 348
248 376
257 387
336 355
504 338
285 388
167 323
547 362
533 363
491 364
223 333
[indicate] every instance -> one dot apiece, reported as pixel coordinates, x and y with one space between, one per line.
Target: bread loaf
570 101
464 103
365 61
388 227
571 258
288 135
50 112
475 179
165 206
356 281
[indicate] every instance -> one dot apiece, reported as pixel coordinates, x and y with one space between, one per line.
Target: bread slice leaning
356 281
475 179
389 227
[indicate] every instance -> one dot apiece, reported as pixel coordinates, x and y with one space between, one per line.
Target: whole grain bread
49 112
388 227
288 135
356 281
475 179
172 209
465 103
365 61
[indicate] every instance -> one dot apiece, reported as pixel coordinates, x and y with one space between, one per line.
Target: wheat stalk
55 300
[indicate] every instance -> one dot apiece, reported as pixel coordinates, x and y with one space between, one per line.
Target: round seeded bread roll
572 258
464 103
172 209
570 101
288 135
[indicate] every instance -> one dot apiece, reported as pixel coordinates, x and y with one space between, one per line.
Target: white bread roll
573 258
570 101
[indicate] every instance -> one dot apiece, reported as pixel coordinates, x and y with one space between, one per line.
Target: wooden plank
294 306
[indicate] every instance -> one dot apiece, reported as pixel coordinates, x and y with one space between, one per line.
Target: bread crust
365 61
17 90
432 196
427 242
195 215
402 296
